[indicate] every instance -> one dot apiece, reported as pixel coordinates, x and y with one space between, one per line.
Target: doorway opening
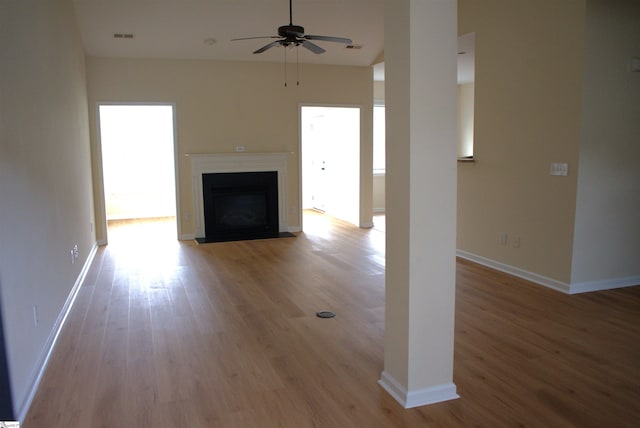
138 166
330 161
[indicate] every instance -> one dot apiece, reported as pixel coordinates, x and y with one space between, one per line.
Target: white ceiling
181 29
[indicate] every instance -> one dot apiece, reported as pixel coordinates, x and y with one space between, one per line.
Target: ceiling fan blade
258 37
312 47
329 39
269 46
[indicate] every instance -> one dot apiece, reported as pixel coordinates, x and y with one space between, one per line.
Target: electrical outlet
239 148
515 242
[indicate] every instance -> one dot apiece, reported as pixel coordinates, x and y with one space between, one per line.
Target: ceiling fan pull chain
285 66
297 66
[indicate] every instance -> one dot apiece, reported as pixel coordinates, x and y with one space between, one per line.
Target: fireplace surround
224 163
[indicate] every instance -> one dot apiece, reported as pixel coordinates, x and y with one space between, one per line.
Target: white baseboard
567 288
43 360
420 397
606 284
294 229
511 270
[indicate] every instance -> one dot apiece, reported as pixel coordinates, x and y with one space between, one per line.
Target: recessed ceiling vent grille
353 47
123 35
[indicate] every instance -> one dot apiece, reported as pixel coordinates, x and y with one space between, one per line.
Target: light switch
559 169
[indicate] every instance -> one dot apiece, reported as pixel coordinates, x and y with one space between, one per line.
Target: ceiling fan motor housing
291 31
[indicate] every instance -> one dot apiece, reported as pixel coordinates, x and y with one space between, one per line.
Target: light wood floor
172 334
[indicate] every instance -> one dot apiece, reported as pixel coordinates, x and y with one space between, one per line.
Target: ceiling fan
293 35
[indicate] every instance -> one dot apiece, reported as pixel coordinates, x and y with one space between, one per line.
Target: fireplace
240 205
221 164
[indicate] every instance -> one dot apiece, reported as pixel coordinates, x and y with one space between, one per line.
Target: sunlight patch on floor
317 223
148 244
380 222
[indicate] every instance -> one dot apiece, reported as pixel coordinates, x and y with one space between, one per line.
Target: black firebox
240 205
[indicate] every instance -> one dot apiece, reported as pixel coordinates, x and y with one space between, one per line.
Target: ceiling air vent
353 47
123 35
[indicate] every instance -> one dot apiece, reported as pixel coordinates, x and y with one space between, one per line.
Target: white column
420 87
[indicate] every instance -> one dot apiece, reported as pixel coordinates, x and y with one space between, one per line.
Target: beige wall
378 91
45 177
529 60
379 193
220 105
607 229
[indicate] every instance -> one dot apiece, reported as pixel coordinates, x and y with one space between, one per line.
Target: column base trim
420 397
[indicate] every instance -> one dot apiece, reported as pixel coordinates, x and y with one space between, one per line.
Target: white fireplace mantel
237 162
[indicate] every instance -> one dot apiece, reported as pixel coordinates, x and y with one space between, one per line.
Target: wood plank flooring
175 334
